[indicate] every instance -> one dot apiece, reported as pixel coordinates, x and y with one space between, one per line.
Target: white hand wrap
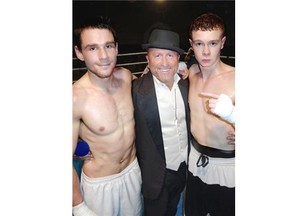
225 108
82 210
182 66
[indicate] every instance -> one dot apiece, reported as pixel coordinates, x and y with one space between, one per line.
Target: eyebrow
94 44
195 41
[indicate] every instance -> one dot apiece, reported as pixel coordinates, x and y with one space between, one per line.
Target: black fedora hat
163 39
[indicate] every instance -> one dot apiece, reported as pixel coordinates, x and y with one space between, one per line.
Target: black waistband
213 152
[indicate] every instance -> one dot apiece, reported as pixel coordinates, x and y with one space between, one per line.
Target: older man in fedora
161 113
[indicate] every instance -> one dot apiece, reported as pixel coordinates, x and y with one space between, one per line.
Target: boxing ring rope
136 54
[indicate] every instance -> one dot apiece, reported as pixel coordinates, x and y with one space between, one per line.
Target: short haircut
99 22
207 22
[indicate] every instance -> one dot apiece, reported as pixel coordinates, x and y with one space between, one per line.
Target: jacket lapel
151 113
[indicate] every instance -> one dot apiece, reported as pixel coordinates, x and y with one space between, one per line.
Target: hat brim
163 46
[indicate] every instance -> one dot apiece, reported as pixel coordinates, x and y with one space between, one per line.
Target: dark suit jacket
149 141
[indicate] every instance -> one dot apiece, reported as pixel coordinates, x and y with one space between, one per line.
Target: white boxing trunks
218 170
114 195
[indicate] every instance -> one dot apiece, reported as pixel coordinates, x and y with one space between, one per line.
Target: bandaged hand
82 210
183 70
82 151
221 105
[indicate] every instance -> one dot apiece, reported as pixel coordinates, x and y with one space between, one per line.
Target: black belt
213 152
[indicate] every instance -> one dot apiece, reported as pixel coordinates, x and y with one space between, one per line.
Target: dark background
131 19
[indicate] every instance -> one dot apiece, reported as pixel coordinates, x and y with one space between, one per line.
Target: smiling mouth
105 66
164 70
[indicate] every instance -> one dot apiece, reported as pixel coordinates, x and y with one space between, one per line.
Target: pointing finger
209 95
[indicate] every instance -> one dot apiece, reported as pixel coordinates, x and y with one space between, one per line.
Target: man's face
99 51
163 64
207 46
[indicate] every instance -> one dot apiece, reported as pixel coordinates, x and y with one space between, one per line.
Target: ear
191 43
78 53
116 48
147 59
223 40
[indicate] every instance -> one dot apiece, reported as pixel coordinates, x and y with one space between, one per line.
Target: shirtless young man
211 183
110 181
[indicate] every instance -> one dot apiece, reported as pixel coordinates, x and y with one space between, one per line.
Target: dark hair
99 22
207 22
